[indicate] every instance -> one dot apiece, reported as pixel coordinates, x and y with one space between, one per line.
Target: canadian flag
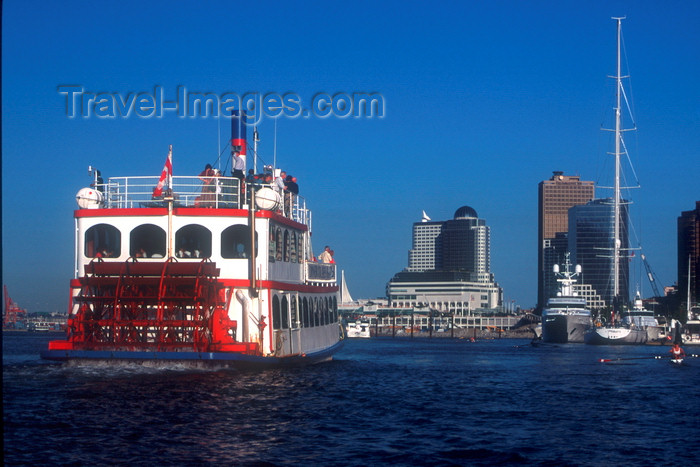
167 174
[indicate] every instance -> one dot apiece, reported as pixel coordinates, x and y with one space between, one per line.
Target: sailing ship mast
620 149
618 135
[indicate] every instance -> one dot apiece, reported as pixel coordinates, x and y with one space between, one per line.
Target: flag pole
169 198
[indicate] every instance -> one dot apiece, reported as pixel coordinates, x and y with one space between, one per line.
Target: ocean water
380 402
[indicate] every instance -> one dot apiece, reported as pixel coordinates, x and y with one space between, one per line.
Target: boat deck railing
320 273
192 192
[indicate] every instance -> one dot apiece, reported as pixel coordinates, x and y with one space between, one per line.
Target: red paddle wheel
163 306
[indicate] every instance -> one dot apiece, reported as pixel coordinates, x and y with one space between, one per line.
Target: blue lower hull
225 359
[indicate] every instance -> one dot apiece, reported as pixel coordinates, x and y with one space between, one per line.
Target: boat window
276 318
285 313
305 313
147 241
293 309
300 247
235 242
293 247
335 309
278 255
286 245
193 241
317 320
273 245
103 241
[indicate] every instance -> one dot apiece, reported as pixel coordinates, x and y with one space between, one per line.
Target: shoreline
521 333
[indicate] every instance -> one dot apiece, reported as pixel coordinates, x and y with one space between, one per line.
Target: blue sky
483 100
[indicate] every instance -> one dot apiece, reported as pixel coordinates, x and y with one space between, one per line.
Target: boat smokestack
238 132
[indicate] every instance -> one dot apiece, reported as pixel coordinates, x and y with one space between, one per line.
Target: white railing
191 191
137 192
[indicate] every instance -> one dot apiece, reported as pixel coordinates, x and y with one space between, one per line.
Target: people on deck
278 183
252 178
182 253
326 256
291 190
208 177
238 165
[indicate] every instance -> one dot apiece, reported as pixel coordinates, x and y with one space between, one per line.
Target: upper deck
208 221
557 303
192 192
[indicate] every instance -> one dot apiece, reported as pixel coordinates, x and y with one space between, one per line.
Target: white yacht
566 317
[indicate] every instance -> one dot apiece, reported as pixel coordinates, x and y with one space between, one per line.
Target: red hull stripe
203 212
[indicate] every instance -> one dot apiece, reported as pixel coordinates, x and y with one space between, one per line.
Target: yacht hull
562 329
616 336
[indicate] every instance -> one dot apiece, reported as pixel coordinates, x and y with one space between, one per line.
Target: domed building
466 212
448 266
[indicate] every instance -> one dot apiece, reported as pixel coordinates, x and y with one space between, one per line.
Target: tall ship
566 317
615 332
207 269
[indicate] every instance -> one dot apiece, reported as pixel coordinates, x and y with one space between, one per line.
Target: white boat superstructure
566 317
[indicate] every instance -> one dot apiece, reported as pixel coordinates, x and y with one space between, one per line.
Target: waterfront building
689 251
590 238
555 197
449 267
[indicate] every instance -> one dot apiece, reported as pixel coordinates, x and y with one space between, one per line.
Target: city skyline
480 103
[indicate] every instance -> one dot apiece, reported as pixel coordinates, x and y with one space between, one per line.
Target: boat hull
616 336
215 359
562 329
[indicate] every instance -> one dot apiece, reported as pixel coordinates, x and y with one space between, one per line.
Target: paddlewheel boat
211 271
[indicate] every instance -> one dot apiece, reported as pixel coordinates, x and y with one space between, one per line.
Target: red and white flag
166 175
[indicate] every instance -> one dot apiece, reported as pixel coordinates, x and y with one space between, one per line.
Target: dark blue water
381 402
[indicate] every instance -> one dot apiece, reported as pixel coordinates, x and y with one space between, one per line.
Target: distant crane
651 276
12 312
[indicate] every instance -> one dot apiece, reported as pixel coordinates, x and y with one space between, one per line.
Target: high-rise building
689 252
556 196
422 255
591 242
449 266
465 245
